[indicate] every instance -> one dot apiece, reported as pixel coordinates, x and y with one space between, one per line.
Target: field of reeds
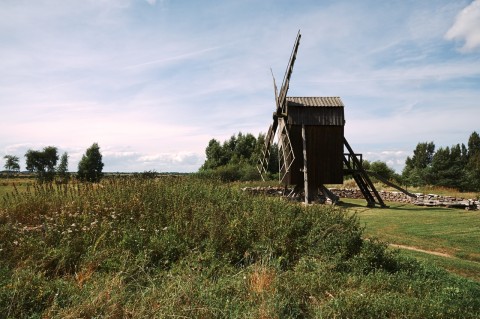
187 247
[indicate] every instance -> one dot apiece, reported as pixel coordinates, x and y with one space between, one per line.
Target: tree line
237 157
456 167
43 163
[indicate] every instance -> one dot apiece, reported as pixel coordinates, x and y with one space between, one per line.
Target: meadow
447 237
188 247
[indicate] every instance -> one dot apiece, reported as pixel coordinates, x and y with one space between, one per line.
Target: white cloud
161 162
467 27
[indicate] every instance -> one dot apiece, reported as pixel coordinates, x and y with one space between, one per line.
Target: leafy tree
215 155
244 148
42 163
416 171
62 168
12 163
447 167
382 169
472 173
472 166
90 166
473 144
237 157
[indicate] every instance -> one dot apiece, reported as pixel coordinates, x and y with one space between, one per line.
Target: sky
152 81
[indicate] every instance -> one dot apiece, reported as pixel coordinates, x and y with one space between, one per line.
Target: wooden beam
305 171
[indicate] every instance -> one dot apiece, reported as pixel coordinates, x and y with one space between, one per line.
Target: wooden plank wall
324 152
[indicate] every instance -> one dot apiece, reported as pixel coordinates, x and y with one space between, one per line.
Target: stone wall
420 200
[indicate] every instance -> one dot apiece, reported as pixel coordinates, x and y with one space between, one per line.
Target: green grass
195 248
9 186
465 268
452 231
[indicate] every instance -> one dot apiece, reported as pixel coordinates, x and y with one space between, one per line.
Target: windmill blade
275 88
286 155
262 166
282 98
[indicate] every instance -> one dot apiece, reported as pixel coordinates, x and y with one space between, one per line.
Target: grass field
454 232
185 247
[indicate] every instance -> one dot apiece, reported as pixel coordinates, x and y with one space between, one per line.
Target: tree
237 157
12 163
215 155
416 171
447 167
472 166
42 163
90 166
239 149
382 169
472 173
473 144
244 148
62 168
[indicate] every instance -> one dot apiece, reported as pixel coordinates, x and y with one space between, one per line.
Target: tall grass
190 247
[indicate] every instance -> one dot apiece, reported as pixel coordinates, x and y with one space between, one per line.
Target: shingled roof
315 101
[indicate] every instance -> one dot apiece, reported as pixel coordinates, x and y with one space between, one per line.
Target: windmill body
322 119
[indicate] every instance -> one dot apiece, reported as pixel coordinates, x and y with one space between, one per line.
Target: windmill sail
285 150
262 166
282 97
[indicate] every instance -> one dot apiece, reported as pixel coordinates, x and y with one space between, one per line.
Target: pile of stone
446 201
420 200
269 190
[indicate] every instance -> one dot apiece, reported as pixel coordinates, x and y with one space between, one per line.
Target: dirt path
422 250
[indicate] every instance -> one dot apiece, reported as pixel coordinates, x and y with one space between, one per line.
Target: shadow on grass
391 206
351 205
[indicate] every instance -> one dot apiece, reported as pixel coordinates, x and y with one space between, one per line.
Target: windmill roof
317 101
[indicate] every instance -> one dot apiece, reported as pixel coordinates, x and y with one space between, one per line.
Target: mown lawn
446 230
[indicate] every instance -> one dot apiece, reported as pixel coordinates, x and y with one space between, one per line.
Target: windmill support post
305 172
360 176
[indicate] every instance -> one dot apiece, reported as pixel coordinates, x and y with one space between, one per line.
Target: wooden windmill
311 143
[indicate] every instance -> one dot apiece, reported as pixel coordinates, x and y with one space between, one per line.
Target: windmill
311 143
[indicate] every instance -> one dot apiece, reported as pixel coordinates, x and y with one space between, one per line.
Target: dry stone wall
420 200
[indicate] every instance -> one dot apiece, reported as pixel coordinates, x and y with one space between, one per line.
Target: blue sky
153 81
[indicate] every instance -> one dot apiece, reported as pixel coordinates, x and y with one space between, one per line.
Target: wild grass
195 248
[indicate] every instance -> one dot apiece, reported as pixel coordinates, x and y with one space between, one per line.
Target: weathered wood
305 166
361 178
385 181
282 97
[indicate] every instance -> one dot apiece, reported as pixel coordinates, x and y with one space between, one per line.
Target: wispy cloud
153 81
